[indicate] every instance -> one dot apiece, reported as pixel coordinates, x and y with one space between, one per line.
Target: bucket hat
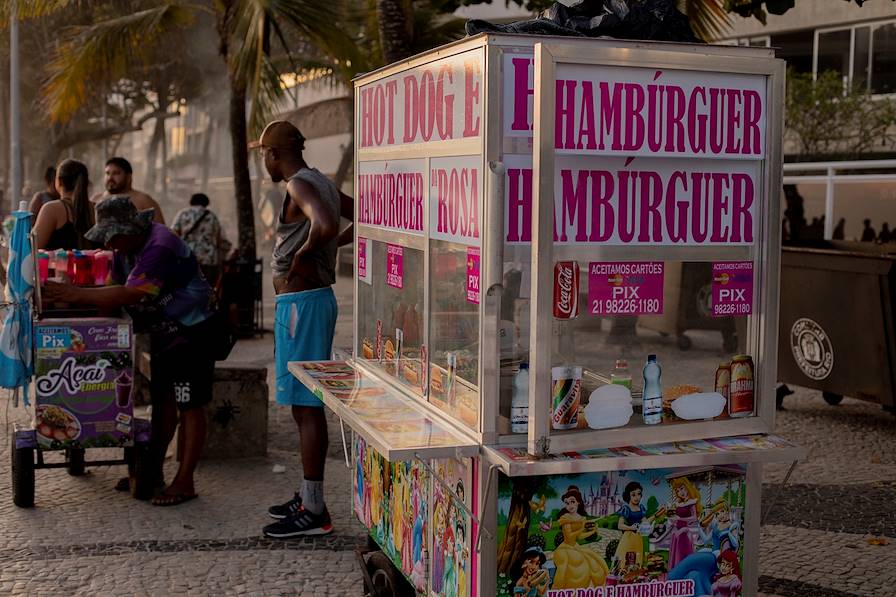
117 215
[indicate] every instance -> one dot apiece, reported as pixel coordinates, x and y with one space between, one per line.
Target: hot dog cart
516 196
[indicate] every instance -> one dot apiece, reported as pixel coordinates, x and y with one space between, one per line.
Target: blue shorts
304 323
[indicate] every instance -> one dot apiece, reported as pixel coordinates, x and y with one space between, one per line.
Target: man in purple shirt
161 287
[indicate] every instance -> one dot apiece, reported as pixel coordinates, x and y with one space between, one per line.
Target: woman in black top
61 224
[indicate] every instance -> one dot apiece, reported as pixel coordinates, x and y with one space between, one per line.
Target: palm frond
266 97
102 53
33 9
708 18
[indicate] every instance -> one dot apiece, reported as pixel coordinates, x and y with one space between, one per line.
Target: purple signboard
625 288
732 288
473 275
84 381
395 266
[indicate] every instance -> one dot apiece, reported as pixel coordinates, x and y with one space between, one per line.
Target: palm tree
109 49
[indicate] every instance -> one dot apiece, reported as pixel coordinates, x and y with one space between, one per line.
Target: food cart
83 388
514 196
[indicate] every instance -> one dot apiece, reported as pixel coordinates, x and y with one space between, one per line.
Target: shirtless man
119 176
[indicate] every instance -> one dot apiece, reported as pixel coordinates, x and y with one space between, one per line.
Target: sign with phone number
625 288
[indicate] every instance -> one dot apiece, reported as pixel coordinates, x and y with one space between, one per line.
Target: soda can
741 389
566 289
566 392
723 379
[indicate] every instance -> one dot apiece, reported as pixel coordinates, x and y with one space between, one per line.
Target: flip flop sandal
172 499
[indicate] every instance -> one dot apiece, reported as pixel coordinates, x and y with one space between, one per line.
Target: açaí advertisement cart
525 210
83 399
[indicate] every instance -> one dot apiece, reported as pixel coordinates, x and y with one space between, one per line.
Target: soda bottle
620 374
519 403
652 408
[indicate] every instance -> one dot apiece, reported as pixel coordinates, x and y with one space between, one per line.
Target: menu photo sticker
364 273
395 266
732 288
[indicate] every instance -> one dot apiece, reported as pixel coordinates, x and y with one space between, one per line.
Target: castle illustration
606 500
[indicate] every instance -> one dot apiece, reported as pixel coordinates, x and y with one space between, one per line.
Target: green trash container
836 328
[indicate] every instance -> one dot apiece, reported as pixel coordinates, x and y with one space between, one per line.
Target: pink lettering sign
473 275
395 266
438 101
642 111
642 201
363 269
391 194
625 288
732 288
455 186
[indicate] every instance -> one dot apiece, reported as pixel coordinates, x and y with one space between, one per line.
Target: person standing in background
304 269
63 223
119 178
868 233
200 229
41 198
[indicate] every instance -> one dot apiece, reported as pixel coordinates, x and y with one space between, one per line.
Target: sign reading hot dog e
438 101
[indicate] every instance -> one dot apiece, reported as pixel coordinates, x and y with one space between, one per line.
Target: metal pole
15 156
829 206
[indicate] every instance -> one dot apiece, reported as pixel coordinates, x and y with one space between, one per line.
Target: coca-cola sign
566 290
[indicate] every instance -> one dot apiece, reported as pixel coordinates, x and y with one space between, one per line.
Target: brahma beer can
566 289
566 392
741 390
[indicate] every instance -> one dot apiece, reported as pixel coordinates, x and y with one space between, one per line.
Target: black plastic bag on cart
654 20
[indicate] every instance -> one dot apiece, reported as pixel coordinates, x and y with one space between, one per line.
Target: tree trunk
517 534
242 183
396 29
206 155
152 151
345 164
164 169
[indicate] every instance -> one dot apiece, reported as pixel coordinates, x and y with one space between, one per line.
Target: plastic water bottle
519 404
653 392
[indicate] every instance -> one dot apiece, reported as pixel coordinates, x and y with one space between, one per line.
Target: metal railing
832 173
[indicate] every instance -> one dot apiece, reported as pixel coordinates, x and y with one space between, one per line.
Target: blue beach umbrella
16 363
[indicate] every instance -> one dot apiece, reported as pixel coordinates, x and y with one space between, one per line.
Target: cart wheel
684 343
22 476
387 580
729 342
832 398
75 459
142 478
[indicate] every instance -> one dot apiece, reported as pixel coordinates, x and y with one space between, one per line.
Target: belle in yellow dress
577 567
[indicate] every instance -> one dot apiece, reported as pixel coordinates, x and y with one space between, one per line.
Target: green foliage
653 505
824 117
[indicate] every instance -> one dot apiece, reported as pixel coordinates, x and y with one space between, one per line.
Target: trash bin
836 328
242 287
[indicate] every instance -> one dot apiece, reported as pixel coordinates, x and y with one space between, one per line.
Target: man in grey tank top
304 267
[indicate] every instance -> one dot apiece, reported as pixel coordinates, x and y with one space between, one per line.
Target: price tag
625 288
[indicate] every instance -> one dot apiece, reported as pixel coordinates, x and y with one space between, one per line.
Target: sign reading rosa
69 376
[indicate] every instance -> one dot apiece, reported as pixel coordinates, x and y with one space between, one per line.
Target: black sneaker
290 508
304 522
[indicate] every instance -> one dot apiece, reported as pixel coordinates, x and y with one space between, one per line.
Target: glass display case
567 264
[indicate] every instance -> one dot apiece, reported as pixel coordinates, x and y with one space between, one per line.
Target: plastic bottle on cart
620 374
519 403
652 408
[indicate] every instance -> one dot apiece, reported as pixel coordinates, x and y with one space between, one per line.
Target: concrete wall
812 14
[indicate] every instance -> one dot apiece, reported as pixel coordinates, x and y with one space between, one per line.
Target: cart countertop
392 423
515 462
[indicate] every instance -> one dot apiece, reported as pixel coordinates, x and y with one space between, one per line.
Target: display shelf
393 424
743 449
